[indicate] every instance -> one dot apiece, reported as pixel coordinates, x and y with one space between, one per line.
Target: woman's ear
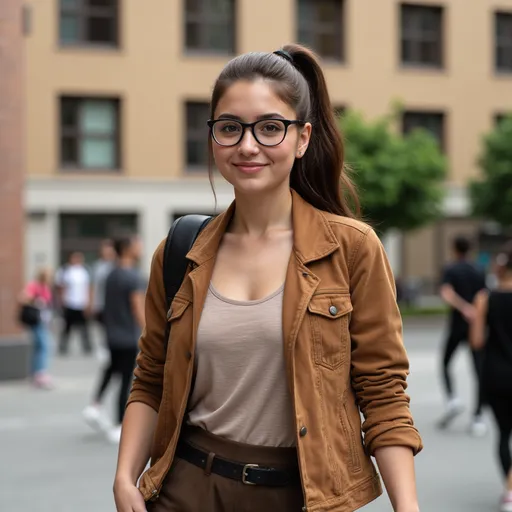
303 142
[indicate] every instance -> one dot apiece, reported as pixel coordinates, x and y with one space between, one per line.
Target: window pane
97 153
100 29
197 115
194 6
98 117
220 38
69 28
69 151
102 3
68 112
428 52
327 45
193 36
197 152
222 8
328 11
70 4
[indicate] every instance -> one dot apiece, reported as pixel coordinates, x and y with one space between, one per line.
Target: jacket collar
313 237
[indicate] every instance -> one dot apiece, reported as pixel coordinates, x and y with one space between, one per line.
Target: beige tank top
240 390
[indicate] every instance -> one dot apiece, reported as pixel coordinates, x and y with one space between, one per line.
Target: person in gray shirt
123 320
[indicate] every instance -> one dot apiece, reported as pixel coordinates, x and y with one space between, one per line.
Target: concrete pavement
52 462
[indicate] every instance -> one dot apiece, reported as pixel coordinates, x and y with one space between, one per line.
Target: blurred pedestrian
38 294
461 281
492 330
73 285
285 323
123 318
101 268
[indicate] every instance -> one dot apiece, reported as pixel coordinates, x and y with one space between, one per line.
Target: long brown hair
319 176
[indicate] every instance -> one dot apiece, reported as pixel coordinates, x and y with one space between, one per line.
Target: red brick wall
11 162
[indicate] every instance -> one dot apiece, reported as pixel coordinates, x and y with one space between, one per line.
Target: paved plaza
52 462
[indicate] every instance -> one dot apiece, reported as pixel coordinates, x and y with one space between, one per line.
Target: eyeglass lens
266 132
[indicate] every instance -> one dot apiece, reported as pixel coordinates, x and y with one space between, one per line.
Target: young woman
492 331
38 293
284 327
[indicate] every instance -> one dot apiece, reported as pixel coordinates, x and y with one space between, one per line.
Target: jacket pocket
176 311
329 316
352 439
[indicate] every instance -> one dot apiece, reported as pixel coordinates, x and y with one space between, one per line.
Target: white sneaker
478 427
94 417
114 435
454 407
506 502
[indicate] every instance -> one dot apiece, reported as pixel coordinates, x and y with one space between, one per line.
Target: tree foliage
491 195
400 179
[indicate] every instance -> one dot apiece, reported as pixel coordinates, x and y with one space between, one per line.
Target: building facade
13 346
117 99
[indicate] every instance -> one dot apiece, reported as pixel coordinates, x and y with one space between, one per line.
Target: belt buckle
244 473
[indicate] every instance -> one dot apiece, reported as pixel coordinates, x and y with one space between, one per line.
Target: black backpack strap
182 235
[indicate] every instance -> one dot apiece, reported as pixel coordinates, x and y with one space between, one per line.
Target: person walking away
73 285
38 293
284 329
492 331
123 317
461 281
101 268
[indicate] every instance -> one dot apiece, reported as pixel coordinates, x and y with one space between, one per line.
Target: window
210 26
503 41
433 122
197 135
89 133
422 35
320 25
89 22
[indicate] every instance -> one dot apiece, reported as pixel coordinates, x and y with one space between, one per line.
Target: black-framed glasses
267 132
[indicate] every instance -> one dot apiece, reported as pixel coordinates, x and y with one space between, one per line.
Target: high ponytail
319 177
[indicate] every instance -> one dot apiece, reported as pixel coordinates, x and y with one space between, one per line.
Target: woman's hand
127 497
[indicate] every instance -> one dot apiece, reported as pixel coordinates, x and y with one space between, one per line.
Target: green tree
491 195
400 179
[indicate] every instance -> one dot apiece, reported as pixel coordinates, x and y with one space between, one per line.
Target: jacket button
189 355
303 431
333 310
169 314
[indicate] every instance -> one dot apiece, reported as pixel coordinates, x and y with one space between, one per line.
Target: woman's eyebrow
272 115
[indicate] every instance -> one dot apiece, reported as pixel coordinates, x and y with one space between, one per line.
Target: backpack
182 235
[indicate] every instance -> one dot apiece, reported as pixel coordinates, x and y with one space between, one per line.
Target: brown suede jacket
343 347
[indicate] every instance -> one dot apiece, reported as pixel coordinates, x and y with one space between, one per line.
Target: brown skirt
187 488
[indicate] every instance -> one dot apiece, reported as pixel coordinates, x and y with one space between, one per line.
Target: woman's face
249 166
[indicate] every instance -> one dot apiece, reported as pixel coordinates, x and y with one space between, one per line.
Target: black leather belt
249 474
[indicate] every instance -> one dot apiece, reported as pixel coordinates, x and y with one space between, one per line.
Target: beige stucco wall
154 76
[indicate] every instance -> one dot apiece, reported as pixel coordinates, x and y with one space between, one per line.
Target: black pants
122 362
75 318
501 406
459 333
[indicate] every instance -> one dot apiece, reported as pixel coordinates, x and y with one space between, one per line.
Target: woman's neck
257 215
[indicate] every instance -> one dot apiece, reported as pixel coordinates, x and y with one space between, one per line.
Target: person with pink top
39 293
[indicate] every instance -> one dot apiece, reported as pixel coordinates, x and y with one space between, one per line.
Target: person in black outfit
123 319
492 331
461 281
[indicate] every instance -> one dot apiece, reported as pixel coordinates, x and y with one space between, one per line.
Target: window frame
316 27
198 136
83 12
437 113
498 15
204 20
79 136
418 36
